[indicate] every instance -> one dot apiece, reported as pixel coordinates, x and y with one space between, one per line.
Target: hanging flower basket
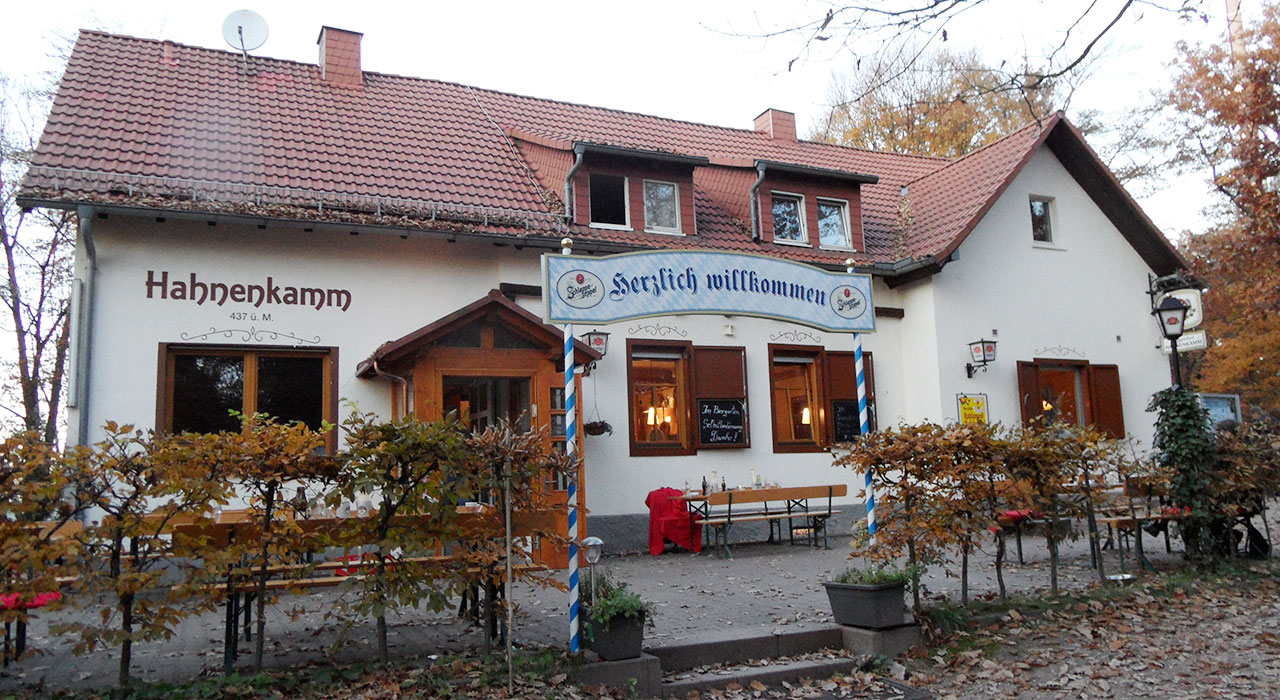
597 427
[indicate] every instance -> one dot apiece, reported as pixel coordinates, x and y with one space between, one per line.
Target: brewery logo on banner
848 302
580 289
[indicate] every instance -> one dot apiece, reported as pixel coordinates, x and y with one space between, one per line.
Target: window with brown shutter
1071 392
720 397
1104 391
845 422
658 397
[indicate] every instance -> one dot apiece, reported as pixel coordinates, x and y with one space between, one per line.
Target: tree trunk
262 575
1000 562
915 576
1051 536
964 574
126 645
55 381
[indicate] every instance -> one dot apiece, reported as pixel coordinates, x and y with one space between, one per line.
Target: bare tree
905 30
38 254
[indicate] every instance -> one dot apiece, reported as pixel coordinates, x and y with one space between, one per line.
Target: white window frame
804 226
844 216
644 193
1055 233
626 204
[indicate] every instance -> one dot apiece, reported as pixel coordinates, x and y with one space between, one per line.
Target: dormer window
833 224
609 207
788 219
661 207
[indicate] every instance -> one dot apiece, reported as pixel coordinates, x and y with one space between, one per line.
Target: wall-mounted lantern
598 341
983 353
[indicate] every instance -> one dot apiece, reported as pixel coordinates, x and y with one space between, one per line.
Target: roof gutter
84 326
579 152
761 166
404 387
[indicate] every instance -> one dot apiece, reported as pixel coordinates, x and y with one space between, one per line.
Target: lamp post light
592 546
1172 314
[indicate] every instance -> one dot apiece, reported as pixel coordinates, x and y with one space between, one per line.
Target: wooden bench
771 505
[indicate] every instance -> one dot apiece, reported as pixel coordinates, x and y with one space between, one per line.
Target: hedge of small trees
941 490
139 581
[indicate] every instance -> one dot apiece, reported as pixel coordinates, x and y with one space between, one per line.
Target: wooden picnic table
194 534
791 503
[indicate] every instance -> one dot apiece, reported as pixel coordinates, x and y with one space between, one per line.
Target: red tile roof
155 124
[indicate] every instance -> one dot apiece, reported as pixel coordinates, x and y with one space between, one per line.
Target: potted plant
614 620
868 598
597 427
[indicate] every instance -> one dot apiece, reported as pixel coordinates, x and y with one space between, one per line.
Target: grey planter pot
623 639
870 606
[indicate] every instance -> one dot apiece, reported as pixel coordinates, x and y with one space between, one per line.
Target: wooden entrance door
551 414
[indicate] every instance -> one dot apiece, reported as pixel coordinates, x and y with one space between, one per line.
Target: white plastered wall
1081 298
397 286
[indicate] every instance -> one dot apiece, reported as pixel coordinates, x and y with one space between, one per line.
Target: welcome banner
579 289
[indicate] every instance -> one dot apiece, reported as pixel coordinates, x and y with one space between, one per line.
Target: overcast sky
684 60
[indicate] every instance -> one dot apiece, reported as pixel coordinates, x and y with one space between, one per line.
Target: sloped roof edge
393 350
1097 180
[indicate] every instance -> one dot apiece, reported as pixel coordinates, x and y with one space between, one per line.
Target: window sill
611 227
1046 245
794 244
840 248
780 448
664 232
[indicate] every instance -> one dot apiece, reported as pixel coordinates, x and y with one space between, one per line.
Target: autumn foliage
1229 120
150 554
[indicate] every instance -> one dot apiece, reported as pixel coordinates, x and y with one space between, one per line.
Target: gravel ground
1213 641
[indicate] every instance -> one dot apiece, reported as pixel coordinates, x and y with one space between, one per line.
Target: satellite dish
245 30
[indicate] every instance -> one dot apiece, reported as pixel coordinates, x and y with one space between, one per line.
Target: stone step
793 671
730 648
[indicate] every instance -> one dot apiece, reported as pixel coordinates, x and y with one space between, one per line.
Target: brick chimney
340 57
777 124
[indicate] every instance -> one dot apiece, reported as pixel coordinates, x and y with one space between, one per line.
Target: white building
287 237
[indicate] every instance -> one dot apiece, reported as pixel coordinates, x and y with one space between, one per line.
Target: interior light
1046 405
652 411
804 416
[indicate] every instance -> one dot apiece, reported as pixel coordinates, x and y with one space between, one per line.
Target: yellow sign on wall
973 408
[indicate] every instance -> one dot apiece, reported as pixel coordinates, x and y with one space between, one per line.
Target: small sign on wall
973 408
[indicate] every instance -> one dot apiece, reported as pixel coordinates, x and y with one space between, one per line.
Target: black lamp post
1172 314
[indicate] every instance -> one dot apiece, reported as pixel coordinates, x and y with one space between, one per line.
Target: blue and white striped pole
571 446
864 421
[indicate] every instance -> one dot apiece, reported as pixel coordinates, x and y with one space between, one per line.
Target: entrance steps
674 670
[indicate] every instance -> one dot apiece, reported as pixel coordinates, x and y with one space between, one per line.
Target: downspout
85 342
579 151
404 388
755 204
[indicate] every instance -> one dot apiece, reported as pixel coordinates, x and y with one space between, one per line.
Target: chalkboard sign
845 420
722 422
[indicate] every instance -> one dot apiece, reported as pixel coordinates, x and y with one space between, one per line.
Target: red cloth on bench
669 520
14 601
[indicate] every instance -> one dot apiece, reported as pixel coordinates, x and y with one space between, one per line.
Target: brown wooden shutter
720 373
1029 392
842 385
1104 396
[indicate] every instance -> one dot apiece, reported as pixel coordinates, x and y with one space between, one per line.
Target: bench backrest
793 493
